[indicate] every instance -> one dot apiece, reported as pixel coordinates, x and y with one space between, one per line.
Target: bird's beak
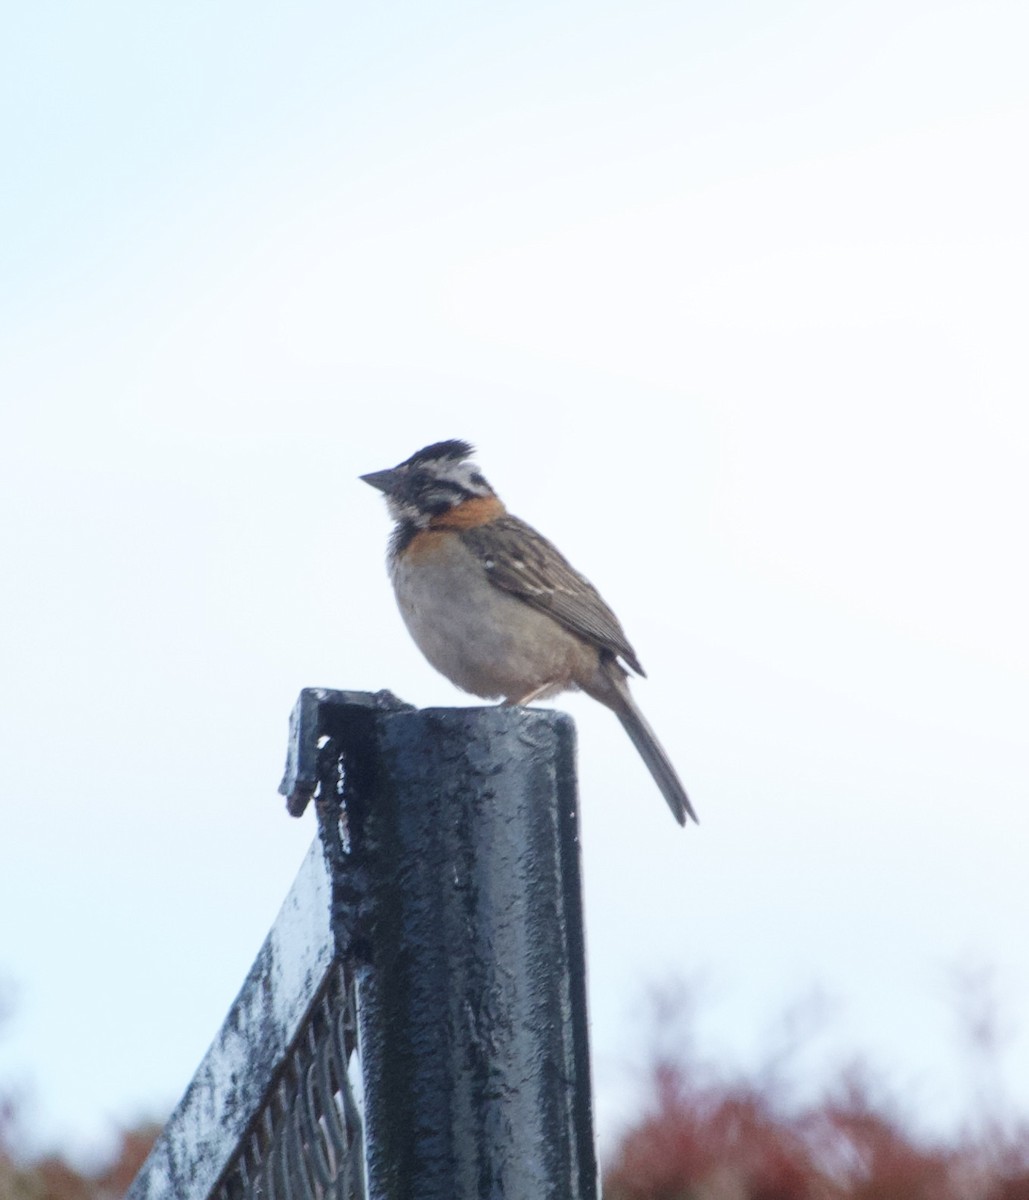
385 481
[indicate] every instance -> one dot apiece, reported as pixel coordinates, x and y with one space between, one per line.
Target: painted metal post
472 1001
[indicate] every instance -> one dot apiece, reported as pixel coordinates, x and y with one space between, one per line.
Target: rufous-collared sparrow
497 609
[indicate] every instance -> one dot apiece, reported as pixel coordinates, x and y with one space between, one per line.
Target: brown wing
522 561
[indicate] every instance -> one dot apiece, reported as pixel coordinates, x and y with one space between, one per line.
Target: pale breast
484 640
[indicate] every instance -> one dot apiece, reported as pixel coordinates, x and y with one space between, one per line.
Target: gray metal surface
472 1009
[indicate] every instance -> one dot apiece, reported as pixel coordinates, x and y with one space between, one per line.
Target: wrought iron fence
306 1143
414 1027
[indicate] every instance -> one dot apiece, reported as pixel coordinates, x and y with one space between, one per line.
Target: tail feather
652 753
609 684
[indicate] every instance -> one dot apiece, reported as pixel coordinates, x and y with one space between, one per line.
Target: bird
496 608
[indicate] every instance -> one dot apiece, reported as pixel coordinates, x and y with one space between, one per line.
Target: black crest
450 451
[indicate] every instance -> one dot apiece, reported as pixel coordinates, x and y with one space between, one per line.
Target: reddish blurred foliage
705 1137
135 1146
54 1178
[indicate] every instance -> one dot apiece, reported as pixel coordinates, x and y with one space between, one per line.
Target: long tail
650 750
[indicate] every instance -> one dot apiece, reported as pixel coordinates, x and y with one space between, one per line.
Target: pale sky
733 301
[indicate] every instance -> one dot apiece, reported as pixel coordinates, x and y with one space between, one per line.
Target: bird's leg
529 696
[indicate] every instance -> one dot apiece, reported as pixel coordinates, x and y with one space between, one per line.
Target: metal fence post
437 932
472 1007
